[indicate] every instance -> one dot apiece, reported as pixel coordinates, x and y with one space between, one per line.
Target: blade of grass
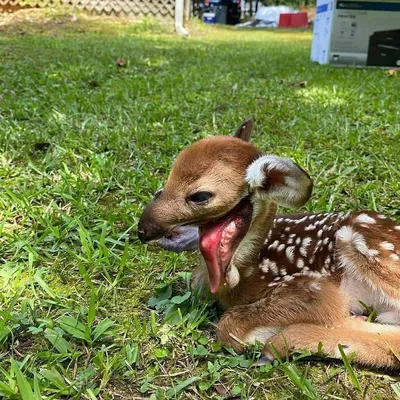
349 369
23 383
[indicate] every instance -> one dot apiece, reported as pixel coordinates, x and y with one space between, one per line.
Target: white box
352 32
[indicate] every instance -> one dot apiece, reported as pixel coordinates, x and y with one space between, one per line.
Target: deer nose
142 235
150 227
150 232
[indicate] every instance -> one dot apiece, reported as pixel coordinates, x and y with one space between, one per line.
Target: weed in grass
85 311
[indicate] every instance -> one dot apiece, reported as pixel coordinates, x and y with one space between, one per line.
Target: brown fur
298 276
305 317
369 348
303 300
204 166
382 271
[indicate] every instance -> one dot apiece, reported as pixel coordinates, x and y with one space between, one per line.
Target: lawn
88 312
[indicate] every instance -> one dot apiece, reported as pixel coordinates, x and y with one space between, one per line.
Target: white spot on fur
314 274
283 272
290 241
299 221
330 247
348 234
288 278
387 246
326 241
298 240
395 257
306 243
381 216
290 253
279 220
273 245
310 227
278 278
397 227
325 272
319 233
327 262
300 263
281 247
268 265
287 229
273 267
320 222
315 287
310 274
365 219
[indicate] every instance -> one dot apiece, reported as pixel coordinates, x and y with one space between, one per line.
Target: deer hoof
264 360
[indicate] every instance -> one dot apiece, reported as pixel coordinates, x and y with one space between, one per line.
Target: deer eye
199 197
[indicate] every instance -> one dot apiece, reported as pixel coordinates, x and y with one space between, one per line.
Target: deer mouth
219 240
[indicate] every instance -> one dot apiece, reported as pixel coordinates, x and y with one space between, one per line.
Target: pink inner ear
273 177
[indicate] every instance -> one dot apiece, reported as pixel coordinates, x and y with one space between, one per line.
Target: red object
285 20
293 20
299 20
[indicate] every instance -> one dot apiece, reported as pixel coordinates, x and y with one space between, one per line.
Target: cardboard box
362 33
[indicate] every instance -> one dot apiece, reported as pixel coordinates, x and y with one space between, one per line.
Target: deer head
230 190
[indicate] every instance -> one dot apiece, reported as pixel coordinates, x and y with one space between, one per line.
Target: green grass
85 310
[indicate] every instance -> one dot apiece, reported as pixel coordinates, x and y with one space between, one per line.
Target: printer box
362 33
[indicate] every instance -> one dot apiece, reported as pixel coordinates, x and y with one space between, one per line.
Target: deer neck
246 256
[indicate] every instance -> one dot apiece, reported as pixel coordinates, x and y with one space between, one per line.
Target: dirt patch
35 15
36 20
65 20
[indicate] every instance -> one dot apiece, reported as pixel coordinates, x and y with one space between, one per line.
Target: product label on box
351 32
360 28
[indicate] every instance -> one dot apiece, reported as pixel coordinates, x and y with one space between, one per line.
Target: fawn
292 281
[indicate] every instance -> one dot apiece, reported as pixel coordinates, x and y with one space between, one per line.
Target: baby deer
290 281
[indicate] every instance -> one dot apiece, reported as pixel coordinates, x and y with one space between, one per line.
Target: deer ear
280 180
244 131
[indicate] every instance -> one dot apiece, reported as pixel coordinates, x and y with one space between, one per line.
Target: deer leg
303 300
373 345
